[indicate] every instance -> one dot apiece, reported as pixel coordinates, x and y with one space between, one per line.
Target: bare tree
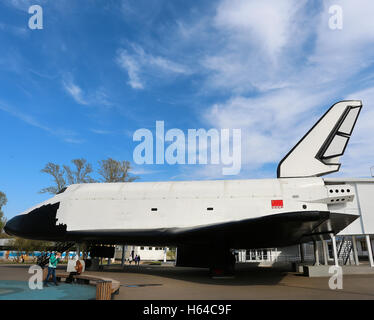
58 176
81 174
3 201
62 177
115 171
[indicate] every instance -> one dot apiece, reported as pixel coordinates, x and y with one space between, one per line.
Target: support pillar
370 251
325 253
302 257
355 254
123 256
335 252
95 266
78 252
316 253
165 254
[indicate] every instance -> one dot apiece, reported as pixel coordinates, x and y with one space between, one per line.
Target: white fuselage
187 204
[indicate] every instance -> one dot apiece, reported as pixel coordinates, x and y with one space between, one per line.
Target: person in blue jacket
53 261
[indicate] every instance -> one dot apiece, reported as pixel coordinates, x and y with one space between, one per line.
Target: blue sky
99 70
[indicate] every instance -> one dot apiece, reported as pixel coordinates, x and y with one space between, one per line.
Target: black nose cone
38 224
14 226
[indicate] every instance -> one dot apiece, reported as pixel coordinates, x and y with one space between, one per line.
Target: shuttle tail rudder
319 151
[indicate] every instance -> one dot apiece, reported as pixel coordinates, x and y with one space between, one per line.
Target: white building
146 253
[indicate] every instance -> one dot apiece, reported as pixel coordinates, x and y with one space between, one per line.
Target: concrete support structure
316 253
165 252
95 264
132 253
123 256
335 252
302 257
176 256
370 251
325 253
78 252
355 254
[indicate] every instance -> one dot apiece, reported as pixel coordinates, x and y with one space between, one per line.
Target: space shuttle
213 217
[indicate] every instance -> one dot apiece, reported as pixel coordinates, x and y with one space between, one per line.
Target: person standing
53 261
138 259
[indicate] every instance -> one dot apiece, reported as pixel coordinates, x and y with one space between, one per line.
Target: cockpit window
62 190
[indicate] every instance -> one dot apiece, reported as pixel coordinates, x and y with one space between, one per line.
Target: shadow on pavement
245 274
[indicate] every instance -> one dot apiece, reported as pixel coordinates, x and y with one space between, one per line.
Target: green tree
171 254
25 246
57 174
3 202
115 171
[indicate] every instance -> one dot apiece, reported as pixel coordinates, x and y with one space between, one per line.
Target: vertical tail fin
319 151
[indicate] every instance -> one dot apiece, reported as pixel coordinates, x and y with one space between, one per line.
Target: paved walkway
168 282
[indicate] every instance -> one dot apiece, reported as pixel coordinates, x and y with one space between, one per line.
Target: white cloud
280 88
339 55
96 97
138 171
261 46
131 65
281 65
271 123
101 132
73 140
267 23
74 91
139 64
258 44
101 97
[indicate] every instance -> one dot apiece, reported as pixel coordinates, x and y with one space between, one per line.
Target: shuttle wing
276 230
319 151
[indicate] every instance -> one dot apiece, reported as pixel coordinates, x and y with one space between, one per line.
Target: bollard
103 290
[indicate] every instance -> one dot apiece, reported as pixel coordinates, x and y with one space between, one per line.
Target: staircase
43 259
345 249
